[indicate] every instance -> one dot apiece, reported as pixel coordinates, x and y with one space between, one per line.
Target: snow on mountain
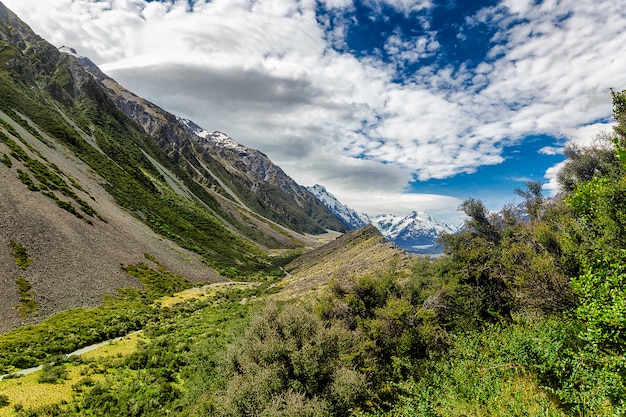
350 217
69 51
199 131
416 233
219 138
415 225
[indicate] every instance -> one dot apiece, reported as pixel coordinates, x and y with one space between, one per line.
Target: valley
209 282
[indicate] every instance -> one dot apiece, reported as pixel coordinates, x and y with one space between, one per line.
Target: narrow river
97 345
76 352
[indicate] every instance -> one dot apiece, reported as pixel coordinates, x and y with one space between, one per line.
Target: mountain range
95 178
416 233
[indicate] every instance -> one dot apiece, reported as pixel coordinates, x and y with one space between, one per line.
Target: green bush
23 176
288 361
20 254
6 160
52 374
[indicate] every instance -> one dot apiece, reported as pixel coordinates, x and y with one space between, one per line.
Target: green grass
67 331
21 255
169 368
6 160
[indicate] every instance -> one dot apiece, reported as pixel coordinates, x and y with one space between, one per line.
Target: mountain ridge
228 167
86 189
416 233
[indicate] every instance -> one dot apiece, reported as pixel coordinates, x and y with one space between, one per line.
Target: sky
392 105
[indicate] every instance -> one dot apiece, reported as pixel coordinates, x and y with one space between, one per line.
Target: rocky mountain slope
73 262
349 216
243 175
93 177
415 233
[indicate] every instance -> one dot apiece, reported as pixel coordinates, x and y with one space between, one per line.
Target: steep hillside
243 175
86 189
47 195
357 253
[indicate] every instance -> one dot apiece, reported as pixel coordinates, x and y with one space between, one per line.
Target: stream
76 352
100 344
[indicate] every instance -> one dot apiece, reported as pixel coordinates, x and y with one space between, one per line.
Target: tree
600 209
533 198
480 221
586 162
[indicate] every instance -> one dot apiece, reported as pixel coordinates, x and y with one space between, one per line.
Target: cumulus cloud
551 150
276 75
405 6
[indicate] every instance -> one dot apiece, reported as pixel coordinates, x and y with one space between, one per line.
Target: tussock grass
118 348
30 393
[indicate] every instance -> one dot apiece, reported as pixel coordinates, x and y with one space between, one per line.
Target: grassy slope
134 182
357 253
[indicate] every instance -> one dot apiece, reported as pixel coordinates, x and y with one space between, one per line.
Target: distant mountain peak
350 217
69 51
417 232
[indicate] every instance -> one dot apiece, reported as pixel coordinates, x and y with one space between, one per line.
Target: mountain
245 176
348 216
93 177
415 233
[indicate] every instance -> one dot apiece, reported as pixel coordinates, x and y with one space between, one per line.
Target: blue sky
392 105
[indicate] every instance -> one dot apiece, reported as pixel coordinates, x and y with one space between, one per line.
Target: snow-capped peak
418 223
69 51
349 216
219 138
226 141
417 232
197 130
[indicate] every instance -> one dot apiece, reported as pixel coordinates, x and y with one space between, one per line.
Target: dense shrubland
520 318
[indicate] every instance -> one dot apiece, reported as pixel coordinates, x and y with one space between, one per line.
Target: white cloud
551 150
409 51
552 186
402 6
268 73
586 134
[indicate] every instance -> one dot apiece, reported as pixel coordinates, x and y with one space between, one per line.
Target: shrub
21 255
28 305
23 176
289 363
52 374
6 160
